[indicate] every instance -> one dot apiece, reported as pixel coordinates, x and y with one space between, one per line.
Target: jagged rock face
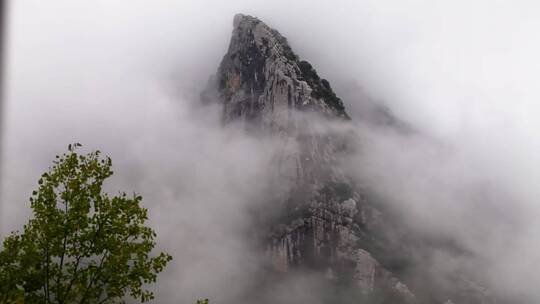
325 224
262 79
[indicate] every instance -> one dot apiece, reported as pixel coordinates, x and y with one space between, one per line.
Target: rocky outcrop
261 78
325 223
261 81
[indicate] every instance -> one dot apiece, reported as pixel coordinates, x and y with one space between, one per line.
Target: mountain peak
241 18
262 79
318 218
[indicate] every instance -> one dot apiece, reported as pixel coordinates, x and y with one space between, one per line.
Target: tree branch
58 292
94 277
47 294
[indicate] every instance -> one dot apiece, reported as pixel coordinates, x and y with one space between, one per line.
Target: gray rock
325 223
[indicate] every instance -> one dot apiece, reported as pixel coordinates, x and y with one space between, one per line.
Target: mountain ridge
325 222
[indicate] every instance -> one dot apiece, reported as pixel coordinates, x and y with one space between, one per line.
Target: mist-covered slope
317 219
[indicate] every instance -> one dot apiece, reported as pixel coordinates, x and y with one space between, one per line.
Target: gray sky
122 76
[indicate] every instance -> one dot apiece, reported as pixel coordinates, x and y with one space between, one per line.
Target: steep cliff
323 221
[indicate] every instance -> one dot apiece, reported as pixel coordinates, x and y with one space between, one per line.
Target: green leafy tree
80 246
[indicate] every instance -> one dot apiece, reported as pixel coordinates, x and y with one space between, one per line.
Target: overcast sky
121 76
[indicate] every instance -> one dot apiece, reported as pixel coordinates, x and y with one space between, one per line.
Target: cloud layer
125 77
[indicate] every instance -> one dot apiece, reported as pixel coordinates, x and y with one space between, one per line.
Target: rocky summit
317 218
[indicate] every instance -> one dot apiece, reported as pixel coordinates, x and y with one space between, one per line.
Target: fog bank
124 77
